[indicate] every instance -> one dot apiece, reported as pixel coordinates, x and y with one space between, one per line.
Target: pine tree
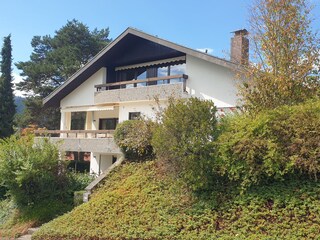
53 60
7 106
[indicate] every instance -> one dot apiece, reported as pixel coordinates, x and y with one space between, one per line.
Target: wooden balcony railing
75 133
142 82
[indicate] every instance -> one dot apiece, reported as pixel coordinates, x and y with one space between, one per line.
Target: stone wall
140 93
102 145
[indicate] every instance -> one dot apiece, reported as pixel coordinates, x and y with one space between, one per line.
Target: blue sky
194 23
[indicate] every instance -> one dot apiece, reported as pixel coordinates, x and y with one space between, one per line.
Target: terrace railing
75 133
143 82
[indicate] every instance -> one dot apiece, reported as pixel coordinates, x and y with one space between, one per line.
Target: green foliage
3 192
6 210
79 181
134 139
34 113
7 106
185 140
36 180
55 59
136 202
31 170
271 144
52 62
78 198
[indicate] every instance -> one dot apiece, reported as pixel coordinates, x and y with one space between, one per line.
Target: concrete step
25 237
28 236
32 230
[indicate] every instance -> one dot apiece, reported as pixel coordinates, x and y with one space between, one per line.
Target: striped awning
87 108
146 64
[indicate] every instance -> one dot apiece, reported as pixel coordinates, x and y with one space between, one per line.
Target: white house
122 81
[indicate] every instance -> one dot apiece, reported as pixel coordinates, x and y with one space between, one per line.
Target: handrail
108 133
43 131
147 80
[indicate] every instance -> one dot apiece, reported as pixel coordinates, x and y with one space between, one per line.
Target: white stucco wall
83 95
105 162
210 81
104 114
147 109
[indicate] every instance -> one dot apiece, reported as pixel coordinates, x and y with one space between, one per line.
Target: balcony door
108 123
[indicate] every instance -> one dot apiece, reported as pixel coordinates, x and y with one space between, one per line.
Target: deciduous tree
286 53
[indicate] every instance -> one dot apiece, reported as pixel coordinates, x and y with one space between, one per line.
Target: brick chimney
240 47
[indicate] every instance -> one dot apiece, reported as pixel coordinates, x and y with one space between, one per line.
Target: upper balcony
144 89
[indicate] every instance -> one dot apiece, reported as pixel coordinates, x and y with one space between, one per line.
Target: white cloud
208 50
16 79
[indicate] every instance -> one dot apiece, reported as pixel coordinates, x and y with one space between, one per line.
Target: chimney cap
243 32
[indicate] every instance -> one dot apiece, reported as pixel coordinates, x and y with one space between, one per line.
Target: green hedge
271 144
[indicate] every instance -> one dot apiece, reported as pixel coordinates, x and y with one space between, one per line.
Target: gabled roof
108 53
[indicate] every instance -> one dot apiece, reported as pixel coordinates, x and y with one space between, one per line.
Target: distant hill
19 101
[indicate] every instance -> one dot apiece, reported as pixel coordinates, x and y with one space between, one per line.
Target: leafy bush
78 198
185 140
36 180
3 192
31 170
79 181
272 144
6 210
134 139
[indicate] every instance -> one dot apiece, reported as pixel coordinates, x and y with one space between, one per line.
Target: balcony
145 89
82 140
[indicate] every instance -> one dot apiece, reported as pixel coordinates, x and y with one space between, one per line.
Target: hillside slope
136 202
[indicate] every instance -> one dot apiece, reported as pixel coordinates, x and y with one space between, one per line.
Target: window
141 74
108 123
160 70
178 69
163 71
134 115
78 120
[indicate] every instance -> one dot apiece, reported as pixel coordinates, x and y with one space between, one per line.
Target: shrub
185 140
271 144
134 139
79 181
3 192
78 198
31 170
36 179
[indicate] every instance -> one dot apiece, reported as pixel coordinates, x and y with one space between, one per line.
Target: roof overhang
87 109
